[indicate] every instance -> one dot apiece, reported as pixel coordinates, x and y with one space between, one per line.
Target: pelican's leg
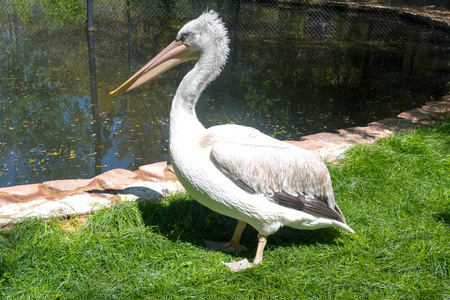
234 244
245 264
262 241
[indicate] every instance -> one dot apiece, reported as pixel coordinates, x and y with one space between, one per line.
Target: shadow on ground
186 220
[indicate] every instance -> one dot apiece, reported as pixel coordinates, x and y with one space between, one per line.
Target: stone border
82 196
151 182
333 144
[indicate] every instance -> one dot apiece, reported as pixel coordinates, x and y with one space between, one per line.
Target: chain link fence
309 19
141 21
301 18
159 20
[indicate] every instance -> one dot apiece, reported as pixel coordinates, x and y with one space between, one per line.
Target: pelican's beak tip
113 93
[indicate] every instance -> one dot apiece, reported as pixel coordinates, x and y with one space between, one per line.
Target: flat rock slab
70 186
365 134
327 144
76 204
117 179
310 145
156 170
81 196
394 124
415 115
23 193
143 191
10 209
151 191
437 108
160 171
322 149
326 138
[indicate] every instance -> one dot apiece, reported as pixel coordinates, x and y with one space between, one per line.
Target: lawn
395 194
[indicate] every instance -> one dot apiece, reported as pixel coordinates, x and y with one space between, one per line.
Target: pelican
236 170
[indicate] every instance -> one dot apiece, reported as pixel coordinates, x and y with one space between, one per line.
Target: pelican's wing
285 174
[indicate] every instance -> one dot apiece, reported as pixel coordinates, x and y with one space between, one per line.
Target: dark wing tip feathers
314 206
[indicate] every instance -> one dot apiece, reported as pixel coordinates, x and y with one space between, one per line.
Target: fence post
90 15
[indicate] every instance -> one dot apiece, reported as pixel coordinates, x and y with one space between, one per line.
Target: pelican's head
206 33
204 38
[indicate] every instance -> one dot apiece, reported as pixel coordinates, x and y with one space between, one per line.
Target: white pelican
236 170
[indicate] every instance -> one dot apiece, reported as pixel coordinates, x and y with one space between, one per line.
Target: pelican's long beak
171 56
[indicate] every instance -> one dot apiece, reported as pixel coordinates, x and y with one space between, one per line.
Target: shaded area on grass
395 194
182 218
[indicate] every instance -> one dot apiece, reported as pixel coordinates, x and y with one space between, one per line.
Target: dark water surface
57 121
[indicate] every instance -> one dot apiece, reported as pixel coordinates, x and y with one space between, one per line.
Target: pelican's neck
183 118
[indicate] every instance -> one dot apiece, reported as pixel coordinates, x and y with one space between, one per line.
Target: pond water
57 121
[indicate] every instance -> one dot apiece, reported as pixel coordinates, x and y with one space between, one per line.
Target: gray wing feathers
273 169
287 175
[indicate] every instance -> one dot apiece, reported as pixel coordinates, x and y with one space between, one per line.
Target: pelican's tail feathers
344 227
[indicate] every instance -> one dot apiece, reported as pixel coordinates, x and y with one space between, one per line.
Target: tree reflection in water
311 73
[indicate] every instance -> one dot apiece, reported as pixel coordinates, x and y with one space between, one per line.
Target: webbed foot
237 266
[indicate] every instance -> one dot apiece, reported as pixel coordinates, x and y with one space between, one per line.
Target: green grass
395 195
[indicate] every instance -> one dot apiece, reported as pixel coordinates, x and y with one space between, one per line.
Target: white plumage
236 170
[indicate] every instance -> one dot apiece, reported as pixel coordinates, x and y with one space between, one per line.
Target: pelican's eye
183 37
